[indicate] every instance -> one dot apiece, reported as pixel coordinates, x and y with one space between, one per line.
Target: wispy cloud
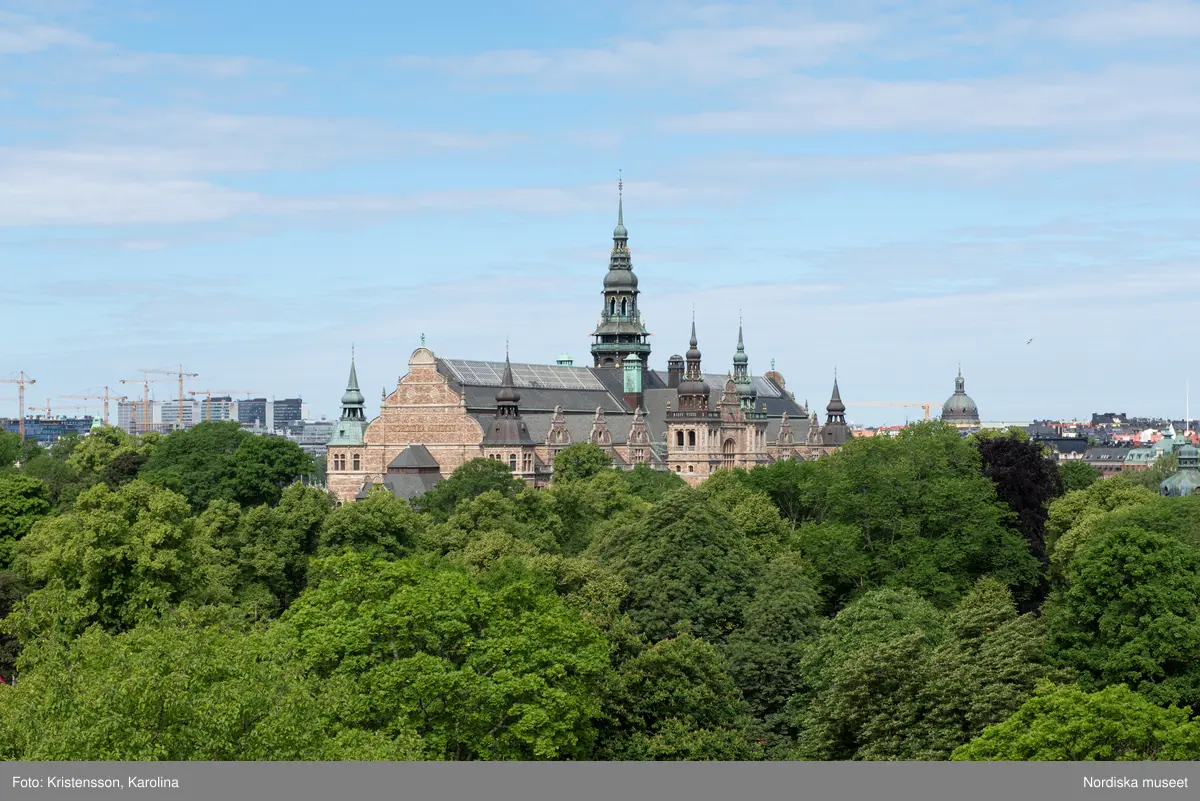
1104 23
1120 95
697 56
23 35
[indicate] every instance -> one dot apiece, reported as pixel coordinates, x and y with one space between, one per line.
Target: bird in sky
1030 340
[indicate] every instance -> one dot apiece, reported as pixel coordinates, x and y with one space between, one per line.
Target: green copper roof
1187 480
740 357
353 396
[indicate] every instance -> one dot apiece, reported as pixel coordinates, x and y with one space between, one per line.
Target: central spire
620 332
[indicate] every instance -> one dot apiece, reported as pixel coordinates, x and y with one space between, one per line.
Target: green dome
959 408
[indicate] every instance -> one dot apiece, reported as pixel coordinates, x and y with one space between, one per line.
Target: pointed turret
508 397
747 394
352 424
507 427
835 407
620 331
353 400
693 391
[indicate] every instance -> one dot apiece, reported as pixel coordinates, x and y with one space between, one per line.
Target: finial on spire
422 340
772 363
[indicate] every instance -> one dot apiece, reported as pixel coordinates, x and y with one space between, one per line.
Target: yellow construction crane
21 380
145 382
925 406
180 374
105 397
208 393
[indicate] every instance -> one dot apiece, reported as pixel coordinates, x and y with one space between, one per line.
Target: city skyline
249 191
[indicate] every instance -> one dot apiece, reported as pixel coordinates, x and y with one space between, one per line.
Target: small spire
772 363
422 340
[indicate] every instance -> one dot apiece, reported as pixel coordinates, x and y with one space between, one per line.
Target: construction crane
145 382
105 397
208 393
925 406
180 374
21 380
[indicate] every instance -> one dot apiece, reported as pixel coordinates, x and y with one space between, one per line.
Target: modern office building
47 430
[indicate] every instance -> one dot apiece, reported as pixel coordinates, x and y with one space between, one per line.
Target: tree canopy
919 597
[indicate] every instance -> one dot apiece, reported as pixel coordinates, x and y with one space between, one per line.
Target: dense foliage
923 597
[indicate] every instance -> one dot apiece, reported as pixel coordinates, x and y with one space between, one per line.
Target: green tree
1067 724
527 516
762 655
119 557
10 449
271 546
381 525
649 484
63 483
1072 517
1130 614
12 590
988 666
23 501
580 462
926 518
687 566
501 673
793 486
1077 474
184 688
863 678
468 481
220 461
676 701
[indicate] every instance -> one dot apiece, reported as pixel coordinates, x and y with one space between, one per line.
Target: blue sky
888 188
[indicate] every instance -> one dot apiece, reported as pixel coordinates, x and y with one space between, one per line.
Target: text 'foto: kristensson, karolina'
76 783
1110 782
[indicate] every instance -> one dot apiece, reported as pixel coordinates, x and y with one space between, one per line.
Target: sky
884 189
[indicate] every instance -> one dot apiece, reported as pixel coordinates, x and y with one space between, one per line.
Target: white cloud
20 34
1115 96
1109 23
699 56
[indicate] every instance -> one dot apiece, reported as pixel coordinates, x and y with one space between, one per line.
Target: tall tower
747 394
352 424
620 331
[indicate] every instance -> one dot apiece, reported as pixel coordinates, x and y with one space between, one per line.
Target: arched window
727 454
678 469
512 462
357 462
691 440
679 438
691 468
624 307
613 306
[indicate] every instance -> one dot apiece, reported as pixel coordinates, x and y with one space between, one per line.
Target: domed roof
747 390
675 358
619 232
959 407
696 387
620 279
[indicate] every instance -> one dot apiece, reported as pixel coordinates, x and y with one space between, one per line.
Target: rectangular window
512 462
527 463
639 455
